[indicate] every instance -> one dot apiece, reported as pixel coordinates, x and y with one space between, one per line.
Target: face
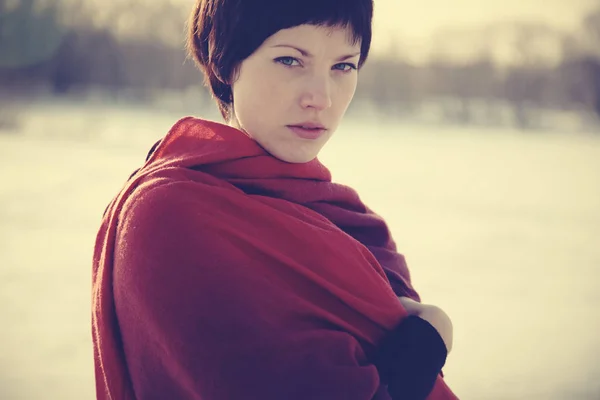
292 92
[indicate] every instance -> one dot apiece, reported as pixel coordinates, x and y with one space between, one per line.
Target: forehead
314 36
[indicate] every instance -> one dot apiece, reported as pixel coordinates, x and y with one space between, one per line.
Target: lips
308 130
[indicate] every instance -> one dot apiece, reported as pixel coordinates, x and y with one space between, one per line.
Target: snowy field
500 228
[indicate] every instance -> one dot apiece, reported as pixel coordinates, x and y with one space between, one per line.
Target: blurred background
527 64
475 131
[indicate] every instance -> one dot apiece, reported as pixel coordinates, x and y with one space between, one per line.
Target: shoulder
156 196
166 223
167 206
176 195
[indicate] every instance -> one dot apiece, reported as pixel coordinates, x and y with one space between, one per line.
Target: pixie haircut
223 33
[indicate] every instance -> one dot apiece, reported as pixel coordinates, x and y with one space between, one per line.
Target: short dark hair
223 33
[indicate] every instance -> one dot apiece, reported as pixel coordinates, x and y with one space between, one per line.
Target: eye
287 61
344 67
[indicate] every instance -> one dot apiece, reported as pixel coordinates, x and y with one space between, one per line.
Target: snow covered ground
500 228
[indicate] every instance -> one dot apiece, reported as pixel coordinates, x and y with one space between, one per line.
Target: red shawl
221 272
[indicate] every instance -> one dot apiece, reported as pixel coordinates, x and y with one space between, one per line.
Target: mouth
308 130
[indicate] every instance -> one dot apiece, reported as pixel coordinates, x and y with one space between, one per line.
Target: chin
294 158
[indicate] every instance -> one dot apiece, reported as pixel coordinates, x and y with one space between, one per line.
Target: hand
432 314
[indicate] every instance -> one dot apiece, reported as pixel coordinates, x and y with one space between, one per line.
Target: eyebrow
307 54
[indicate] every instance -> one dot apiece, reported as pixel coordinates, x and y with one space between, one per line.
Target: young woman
230 266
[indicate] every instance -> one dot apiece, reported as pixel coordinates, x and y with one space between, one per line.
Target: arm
410 359
412 356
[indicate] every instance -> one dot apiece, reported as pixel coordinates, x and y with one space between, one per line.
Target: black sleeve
410 358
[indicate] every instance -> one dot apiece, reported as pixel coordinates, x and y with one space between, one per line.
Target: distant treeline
66 48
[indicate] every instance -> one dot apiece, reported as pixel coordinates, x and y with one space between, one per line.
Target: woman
230 266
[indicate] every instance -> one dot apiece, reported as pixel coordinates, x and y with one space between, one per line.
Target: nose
316 93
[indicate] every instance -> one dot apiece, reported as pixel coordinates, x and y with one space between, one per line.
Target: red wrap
221 272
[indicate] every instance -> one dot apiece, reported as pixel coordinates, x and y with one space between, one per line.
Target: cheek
247 91
346 93
270 89
277 85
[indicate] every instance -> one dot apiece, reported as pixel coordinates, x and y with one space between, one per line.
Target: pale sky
414 22
420 18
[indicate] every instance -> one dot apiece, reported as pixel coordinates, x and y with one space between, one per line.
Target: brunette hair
223 33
